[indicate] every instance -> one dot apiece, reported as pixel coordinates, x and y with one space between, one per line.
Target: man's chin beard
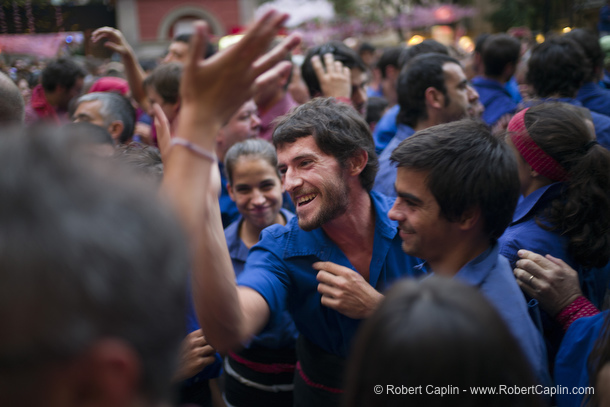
325 216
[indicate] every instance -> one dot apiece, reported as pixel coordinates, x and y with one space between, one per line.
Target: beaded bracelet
201 152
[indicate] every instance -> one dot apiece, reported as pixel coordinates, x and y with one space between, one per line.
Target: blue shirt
525 233
386 176
496 99
571 362
280 268
491 274
276 336
385 129
595 98
513 88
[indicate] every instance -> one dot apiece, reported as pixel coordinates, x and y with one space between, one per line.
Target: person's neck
535 184
355 228
249 233
465 250
425 123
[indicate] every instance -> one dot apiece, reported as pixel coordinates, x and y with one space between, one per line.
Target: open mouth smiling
305 199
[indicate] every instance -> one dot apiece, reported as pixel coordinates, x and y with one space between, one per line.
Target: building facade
149 25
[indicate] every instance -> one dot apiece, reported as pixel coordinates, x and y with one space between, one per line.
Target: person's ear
434 98
116 129
358 162
231 192
176 106
470 218
108 374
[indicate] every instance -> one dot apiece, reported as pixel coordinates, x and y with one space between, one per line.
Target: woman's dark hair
255 148
436 333
581 211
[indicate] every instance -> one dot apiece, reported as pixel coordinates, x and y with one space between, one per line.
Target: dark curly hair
580 212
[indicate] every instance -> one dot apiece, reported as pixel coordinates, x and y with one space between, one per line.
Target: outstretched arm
211 91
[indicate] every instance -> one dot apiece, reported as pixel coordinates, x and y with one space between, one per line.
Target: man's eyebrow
297 158
410 197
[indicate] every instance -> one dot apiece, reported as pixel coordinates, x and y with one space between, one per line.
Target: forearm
187 182
135 77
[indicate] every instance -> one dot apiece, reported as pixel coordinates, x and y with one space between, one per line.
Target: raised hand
213 89
335 79
547 279
115 40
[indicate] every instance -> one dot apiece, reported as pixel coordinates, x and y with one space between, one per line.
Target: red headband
540 161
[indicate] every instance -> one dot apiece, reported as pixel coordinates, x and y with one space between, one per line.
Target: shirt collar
535 200
317 243
475 271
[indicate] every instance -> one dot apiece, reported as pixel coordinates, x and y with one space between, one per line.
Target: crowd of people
234 229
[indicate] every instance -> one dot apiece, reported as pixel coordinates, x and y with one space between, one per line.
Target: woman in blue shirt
565 183
262 373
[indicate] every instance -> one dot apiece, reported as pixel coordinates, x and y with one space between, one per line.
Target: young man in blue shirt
457 188
499 56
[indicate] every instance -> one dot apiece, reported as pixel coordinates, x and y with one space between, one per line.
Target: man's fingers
328 291
273 76
329 61
207 350
331 268
330 302
533 263
534 257
271 58
347 73
560 263
113 46
198 40
317 66
260 34
163 131
327 278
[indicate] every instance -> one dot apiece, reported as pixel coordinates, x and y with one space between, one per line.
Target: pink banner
42 45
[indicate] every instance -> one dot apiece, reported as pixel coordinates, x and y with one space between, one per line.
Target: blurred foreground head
443 336
93 276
